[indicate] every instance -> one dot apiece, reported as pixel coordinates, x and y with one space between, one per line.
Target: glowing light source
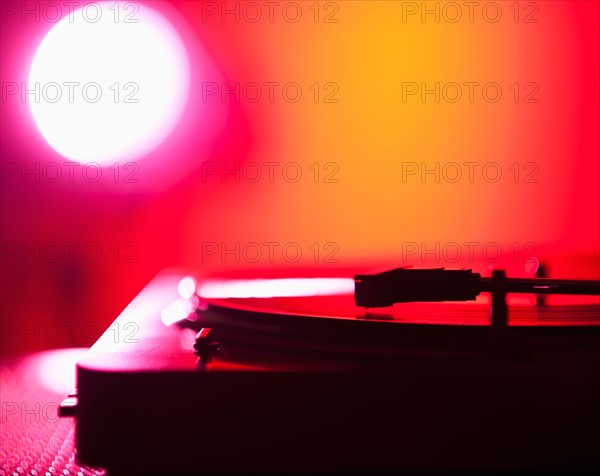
178 310
285 287
189 291
108 83
55 369
187 287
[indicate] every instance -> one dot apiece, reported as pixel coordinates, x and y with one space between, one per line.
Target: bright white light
178 310
187 287
108 89
267 288
55 369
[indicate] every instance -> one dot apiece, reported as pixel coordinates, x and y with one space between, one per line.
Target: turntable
296 375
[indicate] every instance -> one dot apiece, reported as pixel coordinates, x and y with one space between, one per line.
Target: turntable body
458 399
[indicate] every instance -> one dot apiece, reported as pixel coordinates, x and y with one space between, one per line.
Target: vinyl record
331 328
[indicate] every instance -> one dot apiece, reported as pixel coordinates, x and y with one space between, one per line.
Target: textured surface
33 439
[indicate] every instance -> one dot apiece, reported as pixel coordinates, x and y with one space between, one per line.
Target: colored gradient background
368 133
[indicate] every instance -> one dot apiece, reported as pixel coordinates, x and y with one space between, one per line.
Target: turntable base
416 403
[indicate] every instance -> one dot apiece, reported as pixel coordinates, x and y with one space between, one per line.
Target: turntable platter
525 313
